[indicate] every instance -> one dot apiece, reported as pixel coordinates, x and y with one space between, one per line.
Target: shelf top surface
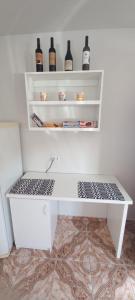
65 72
73 129
91 74
67 102
65 187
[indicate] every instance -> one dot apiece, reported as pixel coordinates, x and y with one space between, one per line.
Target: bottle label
52 58
39 58
68 65
86 57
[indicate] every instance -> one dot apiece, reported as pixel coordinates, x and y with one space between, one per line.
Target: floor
82 265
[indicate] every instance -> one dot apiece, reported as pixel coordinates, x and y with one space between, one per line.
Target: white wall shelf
55 111
65 103
47 129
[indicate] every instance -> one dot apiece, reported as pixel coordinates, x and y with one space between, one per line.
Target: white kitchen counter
65 189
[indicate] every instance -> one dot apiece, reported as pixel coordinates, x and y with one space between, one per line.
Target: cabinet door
31 223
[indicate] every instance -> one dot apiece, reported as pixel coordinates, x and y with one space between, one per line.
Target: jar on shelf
80 96
43 96
62 95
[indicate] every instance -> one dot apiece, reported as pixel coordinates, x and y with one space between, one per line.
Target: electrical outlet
56 157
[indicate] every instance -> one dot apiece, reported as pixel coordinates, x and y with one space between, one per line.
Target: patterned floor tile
130 226
101 248
81 266
78 244
47 279
129 248
29 252
131 274
7 293
71 246
111 282
96 224
101 236
14 268
80 223
71 223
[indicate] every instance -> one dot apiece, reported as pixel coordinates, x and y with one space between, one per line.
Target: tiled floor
82 265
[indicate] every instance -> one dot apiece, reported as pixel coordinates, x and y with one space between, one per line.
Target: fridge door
10 171
4 245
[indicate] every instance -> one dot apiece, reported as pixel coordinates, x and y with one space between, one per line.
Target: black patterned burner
33 187
97 190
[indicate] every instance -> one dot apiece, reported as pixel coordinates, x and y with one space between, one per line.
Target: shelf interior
65 113
71 84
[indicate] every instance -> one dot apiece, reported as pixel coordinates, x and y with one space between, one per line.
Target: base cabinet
34 223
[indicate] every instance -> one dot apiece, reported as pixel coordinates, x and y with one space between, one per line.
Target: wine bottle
39 57
86 55
52 57
68 59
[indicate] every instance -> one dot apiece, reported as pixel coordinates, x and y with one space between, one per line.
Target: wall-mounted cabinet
70 114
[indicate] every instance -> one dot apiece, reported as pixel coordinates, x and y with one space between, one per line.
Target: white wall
112 150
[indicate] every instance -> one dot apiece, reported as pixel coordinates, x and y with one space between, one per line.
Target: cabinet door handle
44 209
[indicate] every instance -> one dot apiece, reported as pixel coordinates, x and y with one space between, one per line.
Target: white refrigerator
10 171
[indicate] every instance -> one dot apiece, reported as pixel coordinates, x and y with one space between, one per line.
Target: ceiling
32 16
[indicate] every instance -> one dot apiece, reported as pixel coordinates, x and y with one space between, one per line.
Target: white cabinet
55 111
10 171
34 222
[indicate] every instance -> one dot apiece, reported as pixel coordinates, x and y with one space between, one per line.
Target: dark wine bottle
52 56
39 57
68 59
86 56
